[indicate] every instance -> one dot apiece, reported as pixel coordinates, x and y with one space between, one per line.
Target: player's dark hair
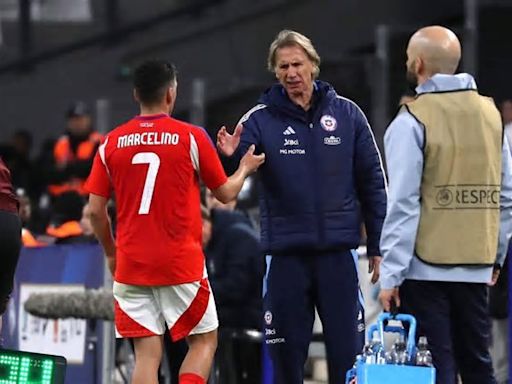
151 80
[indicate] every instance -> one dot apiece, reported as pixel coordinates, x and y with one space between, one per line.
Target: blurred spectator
235 269
506 114
72 153
66 164
39 194
20 164
25 213
16 155
66 225
498 295
212 203
246 203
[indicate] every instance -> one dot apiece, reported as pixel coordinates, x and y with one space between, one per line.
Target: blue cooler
390 373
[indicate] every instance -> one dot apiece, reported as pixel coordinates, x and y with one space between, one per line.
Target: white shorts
187 309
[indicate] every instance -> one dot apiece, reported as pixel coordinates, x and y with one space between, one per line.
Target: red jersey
8 199
152 164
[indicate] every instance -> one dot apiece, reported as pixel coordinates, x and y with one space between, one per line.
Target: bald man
449 214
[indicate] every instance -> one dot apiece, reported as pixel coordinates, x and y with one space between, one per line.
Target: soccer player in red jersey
152 165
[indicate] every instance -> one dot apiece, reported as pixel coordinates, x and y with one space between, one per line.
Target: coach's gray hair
287 38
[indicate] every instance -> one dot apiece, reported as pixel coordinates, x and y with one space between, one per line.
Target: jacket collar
277 100
443 83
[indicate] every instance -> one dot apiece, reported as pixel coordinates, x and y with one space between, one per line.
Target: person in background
506 115
449 216
153 165
212 203
498 294
235 268
19 162
65 225
25 212
322 173
10 236
73 153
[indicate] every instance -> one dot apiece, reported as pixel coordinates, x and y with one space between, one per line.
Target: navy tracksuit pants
455 319
295 285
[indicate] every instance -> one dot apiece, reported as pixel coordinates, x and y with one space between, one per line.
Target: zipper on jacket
317 185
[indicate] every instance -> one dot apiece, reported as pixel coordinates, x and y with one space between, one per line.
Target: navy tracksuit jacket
322 173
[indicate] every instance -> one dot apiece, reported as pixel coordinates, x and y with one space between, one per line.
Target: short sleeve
98 182
206 160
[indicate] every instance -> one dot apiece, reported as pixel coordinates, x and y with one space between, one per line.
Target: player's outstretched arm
231 188
100 222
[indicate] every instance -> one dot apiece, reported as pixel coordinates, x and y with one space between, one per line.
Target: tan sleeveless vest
460 188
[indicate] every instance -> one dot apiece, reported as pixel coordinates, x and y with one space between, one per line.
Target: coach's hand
388 296
374 266
226 143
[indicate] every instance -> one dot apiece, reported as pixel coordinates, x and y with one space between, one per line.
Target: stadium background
53 52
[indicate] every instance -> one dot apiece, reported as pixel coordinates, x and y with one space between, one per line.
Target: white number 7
153 160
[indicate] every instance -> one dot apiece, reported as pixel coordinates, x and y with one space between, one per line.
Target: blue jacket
322 170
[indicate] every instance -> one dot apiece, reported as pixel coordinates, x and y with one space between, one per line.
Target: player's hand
374 266
251 162
387 297
226 143
495 275
110 254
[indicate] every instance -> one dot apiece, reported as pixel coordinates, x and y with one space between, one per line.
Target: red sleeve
210 168
98 182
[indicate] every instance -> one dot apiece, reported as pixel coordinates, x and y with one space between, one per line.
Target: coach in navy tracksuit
322 170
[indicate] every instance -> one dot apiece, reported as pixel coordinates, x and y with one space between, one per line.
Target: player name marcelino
148 138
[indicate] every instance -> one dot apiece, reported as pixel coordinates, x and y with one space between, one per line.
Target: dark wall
227 46
495 52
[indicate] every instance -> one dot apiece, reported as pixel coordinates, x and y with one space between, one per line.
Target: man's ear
419 65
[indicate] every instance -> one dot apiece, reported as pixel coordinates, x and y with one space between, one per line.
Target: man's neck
424 78
303 99
153 110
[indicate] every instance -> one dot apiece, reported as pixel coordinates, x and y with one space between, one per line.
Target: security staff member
449 208
10 236
73 153
322 169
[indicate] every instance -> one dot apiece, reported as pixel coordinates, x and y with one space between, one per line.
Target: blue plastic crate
394 374
389 373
